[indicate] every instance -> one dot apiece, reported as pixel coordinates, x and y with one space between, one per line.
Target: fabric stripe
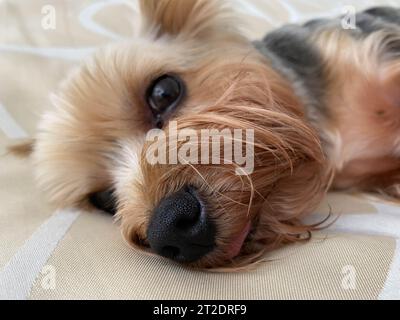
391 290
9 126
86 18
386 222
381 224
19 274
65 53
252 10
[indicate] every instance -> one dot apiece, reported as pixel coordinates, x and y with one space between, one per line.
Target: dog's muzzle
180 229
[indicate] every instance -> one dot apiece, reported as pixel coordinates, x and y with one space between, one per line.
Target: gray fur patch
291 53
386 14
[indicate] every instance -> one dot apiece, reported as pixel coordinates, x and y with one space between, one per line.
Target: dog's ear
186 18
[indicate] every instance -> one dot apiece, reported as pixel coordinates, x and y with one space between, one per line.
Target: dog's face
191 67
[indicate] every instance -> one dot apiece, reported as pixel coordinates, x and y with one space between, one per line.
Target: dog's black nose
180 229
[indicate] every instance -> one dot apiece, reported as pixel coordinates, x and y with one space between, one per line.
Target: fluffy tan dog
322 102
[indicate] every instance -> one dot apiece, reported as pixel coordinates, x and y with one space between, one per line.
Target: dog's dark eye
165 94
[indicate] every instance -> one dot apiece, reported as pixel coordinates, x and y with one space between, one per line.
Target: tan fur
289 166
193 19
363 102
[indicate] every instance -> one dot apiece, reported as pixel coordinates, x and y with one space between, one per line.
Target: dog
323 103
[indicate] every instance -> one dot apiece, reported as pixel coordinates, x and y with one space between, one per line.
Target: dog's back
348 77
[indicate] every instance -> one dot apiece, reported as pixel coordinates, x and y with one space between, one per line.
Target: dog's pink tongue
236 245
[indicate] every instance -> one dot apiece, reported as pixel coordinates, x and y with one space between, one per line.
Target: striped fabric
71 254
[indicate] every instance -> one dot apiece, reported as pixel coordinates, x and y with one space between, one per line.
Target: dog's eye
165 94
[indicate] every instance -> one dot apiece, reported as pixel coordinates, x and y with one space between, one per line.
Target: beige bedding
71 254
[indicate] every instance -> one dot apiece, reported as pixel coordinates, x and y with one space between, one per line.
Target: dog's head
233 186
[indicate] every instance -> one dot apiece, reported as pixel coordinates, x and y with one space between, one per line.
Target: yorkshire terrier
323 103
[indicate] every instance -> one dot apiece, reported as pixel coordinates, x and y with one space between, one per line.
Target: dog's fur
324 104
